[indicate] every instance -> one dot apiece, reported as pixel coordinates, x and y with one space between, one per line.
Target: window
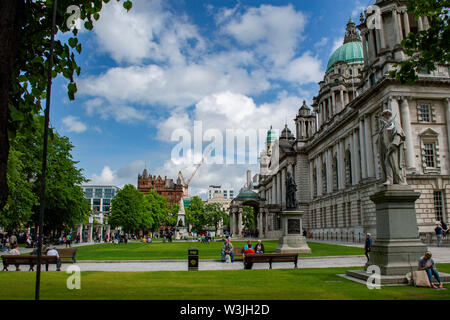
98 193
88 193
430 155
372 80
424 113
438 206
96 202
109 193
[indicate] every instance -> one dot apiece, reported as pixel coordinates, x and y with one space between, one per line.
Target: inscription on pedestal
293 226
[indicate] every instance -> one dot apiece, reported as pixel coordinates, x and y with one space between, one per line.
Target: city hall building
334 154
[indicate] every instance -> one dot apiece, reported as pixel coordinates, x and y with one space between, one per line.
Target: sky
158 82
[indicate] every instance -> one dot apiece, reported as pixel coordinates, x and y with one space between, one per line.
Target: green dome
248 195
351 53
271 136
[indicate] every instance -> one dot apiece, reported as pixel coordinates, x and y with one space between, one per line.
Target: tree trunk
10 19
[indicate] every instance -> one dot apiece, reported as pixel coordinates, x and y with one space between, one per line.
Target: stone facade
335 155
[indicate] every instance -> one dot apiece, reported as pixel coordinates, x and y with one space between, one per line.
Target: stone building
165 187
334 156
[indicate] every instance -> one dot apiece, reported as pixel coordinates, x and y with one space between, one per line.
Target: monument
397 246
292 240
181 227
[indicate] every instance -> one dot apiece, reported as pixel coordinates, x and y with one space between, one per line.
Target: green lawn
178 250
286 284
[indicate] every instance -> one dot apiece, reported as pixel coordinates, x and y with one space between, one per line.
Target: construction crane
186 183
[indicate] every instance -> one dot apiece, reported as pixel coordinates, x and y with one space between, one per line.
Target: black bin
193 259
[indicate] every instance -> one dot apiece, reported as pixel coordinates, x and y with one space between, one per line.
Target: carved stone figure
291 189
391 139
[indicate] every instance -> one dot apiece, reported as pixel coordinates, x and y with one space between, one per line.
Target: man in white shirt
15 252
54 252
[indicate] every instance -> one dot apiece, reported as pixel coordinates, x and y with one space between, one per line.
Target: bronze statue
391 139
291 189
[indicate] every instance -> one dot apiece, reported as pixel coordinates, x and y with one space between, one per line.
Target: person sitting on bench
227 248
259 248
15 252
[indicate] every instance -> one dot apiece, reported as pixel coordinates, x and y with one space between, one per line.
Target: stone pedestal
292 240
397 246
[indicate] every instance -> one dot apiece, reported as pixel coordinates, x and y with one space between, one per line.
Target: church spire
351 35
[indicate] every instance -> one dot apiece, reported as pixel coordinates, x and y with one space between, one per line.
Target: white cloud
107 176
336 44
73 124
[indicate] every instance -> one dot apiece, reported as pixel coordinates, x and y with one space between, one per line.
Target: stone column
342 100
362 146
406 23
447 118
341 164
329 170
274 189
283 187
369 147
381 33
395 29
319 175
231 221
365 44
239 219
311 178
420 23
333 104
347 98
406 125
90 232
399 21
279 187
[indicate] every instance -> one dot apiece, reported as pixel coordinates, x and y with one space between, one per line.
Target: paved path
440 255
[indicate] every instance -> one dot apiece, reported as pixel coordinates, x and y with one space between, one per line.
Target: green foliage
158 208
429 47
195 215
215 215
65 204
248 217
29 78
128 210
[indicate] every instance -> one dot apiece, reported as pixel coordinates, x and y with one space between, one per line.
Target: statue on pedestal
391 139
291 189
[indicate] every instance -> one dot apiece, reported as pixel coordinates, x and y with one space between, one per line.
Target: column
311 178
357 157
369 147
406 23
333 103
396 31
319 175
447 117
342 100
283 187
341 164
347 98
279 187
354 158
420 23
381 33
274 189
393 106
365 44
239 219
259 223
406 125
362 146
329 170
399 21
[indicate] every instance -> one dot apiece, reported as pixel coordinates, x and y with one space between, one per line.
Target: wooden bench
30 260
69 253
238 251
270 258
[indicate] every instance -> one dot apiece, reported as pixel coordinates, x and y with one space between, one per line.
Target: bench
69 253
238 251
30 260
270 258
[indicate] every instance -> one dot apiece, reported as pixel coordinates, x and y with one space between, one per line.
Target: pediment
429 133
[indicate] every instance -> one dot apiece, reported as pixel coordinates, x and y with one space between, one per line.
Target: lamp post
44 153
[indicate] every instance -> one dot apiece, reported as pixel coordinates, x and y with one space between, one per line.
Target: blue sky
165 64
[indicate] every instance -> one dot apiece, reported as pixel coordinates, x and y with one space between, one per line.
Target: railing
430 239
341 236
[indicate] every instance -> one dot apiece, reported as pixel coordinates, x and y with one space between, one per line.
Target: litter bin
192 259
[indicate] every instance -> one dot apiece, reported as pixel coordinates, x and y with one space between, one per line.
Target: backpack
420 279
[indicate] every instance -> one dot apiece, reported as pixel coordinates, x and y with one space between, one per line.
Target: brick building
165 187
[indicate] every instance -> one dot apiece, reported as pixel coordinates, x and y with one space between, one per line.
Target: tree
158 208
25 29
429 47
248 217
128 210
66 204
215 214
195 215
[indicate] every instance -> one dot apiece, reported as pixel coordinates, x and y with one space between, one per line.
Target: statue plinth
397 247
292 240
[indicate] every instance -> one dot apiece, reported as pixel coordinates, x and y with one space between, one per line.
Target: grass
277 284
178 250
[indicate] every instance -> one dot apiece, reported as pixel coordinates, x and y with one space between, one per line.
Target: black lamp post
44 155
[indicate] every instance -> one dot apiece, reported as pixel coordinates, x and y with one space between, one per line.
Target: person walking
368 246
439 232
